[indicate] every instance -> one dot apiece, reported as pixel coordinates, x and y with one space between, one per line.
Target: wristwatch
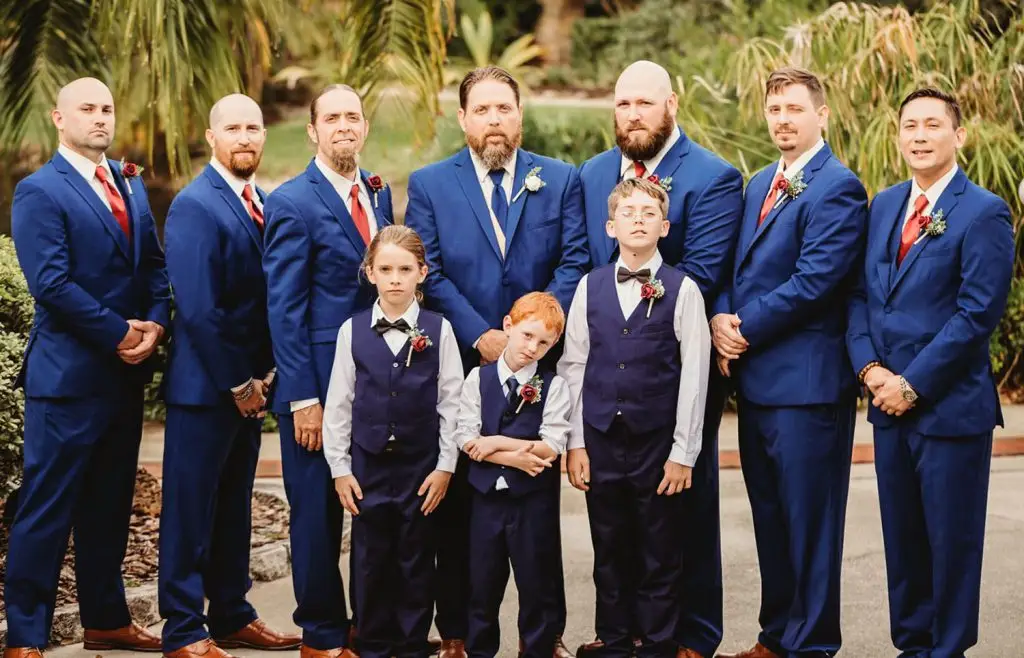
908 393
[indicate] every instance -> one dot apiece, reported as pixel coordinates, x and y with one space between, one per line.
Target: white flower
531 183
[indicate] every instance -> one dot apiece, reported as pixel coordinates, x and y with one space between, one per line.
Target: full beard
645 148
245 168
495 156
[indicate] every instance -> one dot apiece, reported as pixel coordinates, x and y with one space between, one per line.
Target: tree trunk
554 30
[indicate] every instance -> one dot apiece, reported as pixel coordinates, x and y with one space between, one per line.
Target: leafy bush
573 137
16 309
1007 344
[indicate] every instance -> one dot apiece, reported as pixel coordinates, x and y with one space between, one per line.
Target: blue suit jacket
87 278
705 209
214 252
469 282
312 258
790 287
930 319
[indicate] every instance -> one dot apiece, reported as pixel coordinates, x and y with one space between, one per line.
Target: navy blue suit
473 286
312 257
791 282
83 408
705 208
221 339
930 319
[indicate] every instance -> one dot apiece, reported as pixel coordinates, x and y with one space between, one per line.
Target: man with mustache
779 329
87 243
217 380
318 227
498 222
705 207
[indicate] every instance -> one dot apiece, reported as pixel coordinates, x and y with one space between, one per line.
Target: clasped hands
139 341
885 391
252 402
727 339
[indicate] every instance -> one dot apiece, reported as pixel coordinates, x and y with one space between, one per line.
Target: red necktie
773 196
254 212
359 215
912 229
117 206
639 168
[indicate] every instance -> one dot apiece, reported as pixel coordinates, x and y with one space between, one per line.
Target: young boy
636 359
514 423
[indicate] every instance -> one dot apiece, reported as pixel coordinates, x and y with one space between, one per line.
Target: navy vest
633 367
499 417
390 399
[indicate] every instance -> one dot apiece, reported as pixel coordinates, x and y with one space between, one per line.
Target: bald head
233 107
647 76
83 89
645 110
84 117
236 134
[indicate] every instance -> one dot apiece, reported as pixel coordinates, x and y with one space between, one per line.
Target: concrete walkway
865 621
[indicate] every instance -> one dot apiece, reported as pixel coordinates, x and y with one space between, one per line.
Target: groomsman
86 240
705 208
498 222
318 226
780 332
218 373
938 268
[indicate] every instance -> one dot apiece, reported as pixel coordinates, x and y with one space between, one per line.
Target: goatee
343 162
495 156
645 148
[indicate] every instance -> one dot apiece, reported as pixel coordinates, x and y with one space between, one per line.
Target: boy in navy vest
636 359
514 423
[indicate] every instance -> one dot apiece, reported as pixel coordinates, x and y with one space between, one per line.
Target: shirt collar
234 182
411 314
482 171
340 183
653 264
82 164
652 165
522 376
792 170
935 191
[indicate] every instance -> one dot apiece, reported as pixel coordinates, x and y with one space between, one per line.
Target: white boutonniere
935 224
531 183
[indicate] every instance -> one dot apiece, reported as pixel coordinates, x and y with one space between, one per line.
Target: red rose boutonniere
418 341
130 170
376 184
530 392
650 291
665 184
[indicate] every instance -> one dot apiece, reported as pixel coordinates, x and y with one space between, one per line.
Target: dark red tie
773 196
117 206
639 168
359 215
912 229
254 212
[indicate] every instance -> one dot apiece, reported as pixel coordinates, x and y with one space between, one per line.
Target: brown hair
486 73
793 75
326 90
541 306
631 186
400 236
952 106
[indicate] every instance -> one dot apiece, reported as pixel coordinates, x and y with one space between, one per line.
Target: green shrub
16 309
1007 344
573 137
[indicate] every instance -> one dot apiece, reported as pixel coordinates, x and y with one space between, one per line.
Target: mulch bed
269 524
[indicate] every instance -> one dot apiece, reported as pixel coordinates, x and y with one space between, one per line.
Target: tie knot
496 176
247 192
354 190
639 168
383 325
512 384
920 204
101 174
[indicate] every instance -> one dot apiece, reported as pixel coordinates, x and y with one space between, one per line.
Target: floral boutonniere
418 341
935 225
665 183
130 170
376 184
793 188
530 392
653 289
531 183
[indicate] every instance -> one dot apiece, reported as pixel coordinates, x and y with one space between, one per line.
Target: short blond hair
631 186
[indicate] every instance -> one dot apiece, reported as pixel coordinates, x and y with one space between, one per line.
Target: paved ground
864 613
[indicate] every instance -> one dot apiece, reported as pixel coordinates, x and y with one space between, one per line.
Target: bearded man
705 208
498 222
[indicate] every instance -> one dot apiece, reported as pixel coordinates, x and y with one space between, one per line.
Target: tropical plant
15 322
479 40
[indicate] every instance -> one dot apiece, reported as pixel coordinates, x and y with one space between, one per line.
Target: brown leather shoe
201 649
687 653
452 649
23 652
257 635
757 651
339 652
127 638
560 649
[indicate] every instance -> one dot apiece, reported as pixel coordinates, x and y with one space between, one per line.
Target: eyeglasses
630 215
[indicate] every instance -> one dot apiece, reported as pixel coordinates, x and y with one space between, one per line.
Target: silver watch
909 394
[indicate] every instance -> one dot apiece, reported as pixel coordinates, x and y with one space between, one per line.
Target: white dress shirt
932 194
554 424
691 329
338 411
87 169
792 170
237 184
487 187
626 169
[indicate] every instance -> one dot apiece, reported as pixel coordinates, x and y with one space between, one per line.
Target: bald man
218 377
705 208
86 240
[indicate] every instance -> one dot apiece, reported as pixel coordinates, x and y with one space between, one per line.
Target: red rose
419 343
647 291
130 169
782 185
528 393
375 182
654 179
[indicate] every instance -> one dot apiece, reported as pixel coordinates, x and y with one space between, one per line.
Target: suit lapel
75 180
946 203
134 214
381 210
757 190
524 163
466 174
607 178
674 158
235 204
891 232
329 196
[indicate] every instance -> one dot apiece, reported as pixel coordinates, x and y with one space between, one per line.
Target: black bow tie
623 275
383 326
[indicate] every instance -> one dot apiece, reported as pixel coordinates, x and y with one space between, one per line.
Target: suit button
392 425
625 332
394 394
887 308
504 280
395 364
619 400
622 366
